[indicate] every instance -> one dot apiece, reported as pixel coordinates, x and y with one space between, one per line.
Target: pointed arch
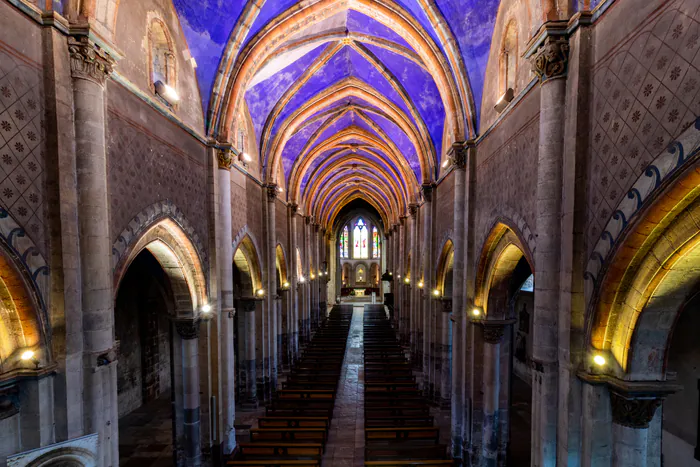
500 270
444 269
281 260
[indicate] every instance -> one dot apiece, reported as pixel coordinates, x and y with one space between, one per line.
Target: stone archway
503 327
160 299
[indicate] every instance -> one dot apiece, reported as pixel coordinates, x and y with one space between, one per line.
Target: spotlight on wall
599 360
167 93
30 356
260 292
436 292
206 308
476 312
505 99
245 157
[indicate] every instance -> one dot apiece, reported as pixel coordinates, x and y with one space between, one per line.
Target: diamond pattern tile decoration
22 145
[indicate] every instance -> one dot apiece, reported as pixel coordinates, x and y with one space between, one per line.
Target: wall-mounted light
244 157
280 189
260 292
312 276
206 308
504 100
446 163
599 360
285 285
167 93
420 284
302 279
399 276
407 280
436 293
476 312
30 356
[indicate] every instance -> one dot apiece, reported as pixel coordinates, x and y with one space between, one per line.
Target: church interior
350 233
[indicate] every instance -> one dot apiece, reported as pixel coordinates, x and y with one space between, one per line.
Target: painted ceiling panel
296 143
345 121
263 97
402 142
421 87
207 25
270 10
358 22
472 23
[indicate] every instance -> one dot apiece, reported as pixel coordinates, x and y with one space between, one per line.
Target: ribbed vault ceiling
349 99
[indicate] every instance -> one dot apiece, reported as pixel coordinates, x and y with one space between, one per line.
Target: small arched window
509 57
162 57
344 236
360 240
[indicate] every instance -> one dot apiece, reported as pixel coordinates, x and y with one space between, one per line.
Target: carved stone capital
493 329
9 402
402 220
271 191
308 220
247 305
551 59
427 190
413 210
458 155
293 207
224 157
187 328
633 412
88 61
446 305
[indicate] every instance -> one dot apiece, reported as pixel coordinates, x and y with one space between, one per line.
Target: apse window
162 63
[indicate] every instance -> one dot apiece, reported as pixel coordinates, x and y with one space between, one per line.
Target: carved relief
224 158
88 61
551 59
187 328
633 412
271 191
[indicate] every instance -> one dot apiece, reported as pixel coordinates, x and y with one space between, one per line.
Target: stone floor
346 440
146 435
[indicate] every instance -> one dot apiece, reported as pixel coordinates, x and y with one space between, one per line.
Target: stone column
309 270
491 386
246 333
318 236
403 290
293 284
550 63
279 337
187 438
426 321
415 291
271 302
226 314
90 67
444 354
458 155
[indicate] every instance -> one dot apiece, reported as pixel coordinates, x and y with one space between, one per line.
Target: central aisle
346 439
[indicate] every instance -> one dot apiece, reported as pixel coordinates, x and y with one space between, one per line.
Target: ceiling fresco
344 95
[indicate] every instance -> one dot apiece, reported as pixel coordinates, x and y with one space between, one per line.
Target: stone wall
134 18
506 172
444 220
646 78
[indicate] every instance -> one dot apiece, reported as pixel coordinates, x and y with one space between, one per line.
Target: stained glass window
376 253
360 240
344 251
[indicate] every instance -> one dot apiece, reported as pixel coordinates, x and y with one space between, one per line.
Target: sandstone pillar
550 63
293 285
415 291
491 388
226 314
246 333
458 155
402 288
426 321
271 302
90 67
186 386
443 391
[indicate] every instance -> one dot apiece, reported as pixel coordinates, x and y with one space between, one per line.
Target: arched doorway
504 305
443 325
247 281
160 298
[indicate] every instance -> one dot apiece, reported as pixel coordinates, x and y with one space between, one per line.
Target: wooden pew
416 463
276 462
289 435
426 434
372 421
405 452
294 422
300 451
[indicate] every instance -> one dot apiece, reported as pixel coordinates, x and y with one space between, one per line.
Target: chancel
350 232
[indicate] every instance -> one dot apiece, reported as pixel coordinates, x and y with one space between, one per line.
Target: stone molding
88 61
632 412
428 189
458 154
294 207
224 157
551 58
493 329
187 328
413 210
271 189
